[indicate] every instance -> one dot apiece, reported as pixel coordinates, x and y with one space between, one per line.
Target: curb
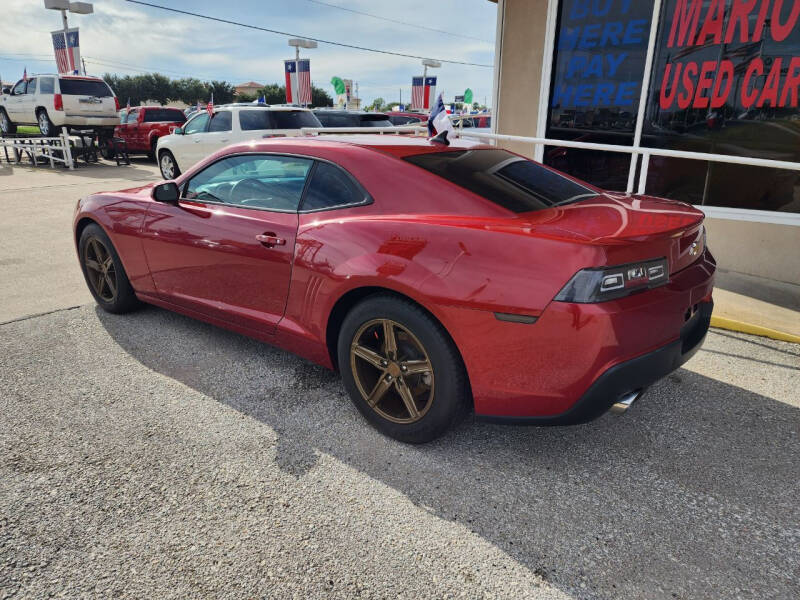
741 326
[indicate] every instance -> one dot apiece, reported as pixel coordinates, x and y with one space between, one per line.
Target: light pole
428 62
79 8
300 43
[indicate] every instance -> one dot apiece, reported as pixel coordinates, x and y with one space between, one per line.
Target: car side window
221 121
19 89
260 181
31 87
330 187
197 124
133 116
46 85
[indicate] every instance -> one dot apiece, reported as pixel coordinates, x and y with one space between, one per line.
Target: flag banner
67 49
417 95
429 94
298 81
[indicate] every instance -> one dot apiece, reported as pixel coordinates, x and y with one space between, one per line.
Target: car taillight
610 283
58 102
116 102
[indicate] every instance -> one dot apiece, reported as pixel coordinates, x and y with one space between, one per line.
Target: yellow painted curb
734 325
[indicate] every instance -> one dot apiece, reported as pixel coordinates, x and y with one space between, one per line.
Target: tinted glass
515 183
375 121
251 120
19 88
84 87
330 119
252 181
133 116
196 124
31 89
221 121
164 115
46 85
329 187
293 119
403 120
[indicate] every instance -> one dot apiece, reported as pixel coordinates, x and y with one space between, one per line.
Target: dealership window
725 80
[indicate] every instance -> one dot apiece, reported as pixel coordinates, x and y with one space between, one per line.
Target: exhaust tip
625 402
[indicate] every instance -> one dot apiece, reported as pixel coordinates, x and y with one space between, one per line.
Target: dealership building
695 100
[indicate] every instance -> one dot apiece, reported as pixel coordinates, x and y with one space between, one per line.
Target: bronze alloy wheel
392 371
100 269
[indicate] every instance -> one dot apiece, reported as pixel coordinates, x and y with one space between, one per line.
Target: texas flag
67 49
298 81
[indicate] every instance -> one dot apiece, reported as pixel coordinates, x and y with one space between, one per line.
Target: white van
56 101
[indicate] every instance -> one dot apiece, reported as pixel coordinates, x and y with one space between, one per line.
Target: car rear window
375 121
164 115
329 119
515 183
293 119
84 87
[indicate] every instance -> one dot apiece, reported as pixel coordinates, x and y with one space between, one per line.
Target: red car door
226 250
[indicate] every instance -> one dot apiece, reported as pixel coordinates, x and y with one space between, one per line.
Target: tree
191 90
159 88
379 104
223 92
319 97
273 93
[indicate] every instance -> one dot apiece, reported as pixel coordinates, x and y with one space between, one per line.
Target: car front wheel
169 168
104 272
46 126
401 369
6 126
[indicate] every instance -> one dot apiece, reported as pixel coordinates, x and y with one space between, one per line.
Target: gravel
152 456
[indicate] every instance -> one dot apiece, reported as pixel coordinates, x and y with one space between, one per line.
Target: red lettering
703 84
684 22
685 97
771 85
792 83
780 31
749 97
669 88
762 18
740 15
718 97
715 18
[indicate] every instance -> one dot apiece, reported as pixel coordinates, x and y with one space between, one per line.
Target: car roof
260 107
396 145
340 111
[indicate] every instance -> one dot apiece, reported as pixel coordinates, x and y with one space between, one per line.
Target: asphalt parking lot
152 456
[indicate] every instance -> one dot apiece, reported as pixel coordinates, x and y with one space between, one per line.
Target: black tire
107 149
450 393
46 126
152 154
123 298
6 126
165 159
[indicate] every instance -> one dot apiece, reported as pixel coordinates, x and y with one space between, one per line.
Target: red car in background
436 278
143 125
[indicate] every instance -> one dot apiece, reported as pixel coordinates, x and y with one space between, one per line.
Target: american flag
417 92
67 50
298 81
210 106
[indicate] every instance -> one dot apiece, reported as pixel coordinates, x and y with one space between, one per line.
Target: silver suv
56 101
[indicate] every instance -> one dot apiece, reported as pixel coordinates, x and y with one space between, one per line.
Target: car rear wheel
169 168
6 126
401 369
104 272
46 126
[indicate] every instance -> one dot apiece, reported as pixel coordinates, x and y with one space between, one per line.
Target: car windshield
84 87
164 115
513 182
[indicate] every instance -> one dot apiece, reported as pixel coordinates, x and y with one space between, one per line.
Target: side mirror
178 131
6 90
166 192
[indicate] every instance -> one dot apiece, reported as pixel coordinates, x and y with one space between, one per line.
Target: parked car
56 101
142 126
436 278
351 118
203 135
407 118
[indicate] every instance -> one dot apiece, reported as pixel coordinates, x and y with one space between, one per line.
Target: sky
126 38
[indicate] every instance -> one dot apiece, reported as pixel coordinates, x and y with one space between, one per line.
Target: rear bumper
72 120
632 375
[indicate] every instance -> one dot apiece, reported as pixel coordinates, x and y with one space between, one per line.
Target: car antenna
441 138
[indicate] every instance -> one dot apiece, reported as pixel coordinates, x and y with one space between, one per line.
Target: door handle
270 239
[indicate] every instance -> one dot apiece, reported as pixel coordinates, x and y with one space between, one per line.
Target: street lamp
300 43
79 8
429 62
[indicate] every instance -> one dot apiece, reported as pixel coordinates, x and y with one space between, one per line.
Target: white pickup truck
56 101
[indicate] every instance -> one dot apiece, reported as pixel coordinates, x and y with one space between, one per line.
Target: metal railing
400 129
52 149
646 153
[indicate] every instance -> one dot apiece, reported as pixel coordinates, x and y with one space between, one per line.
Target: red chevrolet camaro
436 278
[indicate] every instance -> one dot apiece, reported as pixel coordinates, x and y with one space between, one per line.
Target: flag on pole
304 80
67 50
298 81
438 121
210 106
290 70
25 74
417 92
128 106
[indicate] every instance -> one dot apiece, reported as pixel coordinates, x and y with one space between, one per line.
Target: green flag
468 96
338 85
